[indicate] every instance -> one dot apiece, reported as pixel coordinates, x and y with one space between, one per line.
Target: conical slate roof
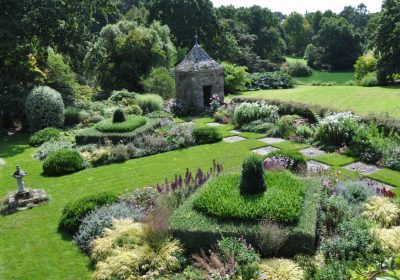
198 60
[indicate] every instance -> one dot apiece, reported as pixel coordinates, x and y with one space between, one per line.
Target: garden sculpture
19 174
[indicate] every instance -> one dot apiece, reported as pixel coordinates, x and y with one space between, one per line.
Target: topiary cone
252 180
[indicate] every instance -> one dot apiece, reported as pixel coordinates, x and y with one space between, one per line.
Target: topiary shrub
150 102
45 135
118 116
130 124
298 69
206 135
63 161
252 178
74 212
44 108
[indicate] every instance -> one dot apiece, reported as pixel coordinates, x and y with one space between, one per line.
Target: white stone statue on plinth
19 174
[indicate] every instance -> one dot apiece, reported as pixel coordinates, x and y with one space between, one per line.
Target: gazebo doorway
207 95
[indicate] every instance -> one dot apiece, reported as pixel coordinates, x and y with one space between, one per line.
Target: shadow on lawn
13 145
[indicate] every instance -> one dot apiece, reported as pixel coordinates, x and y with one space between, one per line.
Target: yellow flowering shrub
280 269
124 252
382 211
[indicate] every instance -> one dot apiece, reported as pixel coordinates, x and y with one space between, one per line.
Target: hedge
198 231
92 135
313 112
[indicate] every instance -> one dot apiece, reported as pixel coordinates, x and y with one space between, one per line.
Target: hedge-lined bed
281 202
197 230
92 135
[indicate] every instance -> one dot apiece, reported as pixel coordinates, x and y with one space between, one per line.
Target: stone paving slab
271 140
265 150
315 166
362 168
214 124
2 161
312 152
235 131
233 139
373 184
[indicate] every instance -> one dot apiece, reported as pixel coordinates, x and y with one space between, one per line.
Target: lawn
361 100
338 77
31 247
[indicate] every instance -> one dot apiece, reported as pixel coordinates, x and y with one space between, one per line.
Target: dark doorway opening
207 95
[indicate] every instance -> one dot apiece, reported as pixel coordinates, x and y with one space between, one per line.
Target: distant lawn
340 78
361 100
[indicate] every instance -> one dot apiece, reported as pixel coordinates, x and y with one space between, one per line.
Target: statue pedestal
23 195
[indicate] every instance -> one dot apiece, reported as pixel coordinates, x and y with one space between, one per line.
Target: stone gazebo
198 77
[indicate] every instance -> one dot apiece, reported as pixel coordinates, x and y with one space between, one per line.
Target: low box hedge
198 231
93 136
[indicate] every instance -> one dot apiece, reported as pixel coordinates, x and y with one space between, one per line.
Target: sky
301 6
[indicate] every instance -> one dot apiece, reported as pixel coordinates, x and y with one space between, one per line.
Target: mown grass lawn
31 247
361 100
338 77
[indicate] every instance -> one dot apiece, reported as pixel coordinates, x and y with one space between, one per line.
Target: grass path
361 100
31 247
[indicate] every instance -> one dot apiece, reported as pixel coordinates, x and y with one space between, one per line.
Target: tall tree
388 42
125 52
298 32
185 18
337 45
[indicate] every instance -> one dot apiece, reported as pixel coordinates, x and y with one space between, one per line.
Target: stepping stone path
2 162
362 168
264 151
235 131
270 140
214 124
373 184
312 152
315 166
233 139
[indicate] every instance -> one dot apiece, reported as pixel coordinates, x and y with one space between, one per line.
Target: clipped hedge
130 124
206 135
74 212
94 136
63 161
281 202
198 231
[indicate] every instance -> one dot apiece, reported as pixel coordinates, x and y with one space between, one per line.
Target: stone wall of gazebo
190 85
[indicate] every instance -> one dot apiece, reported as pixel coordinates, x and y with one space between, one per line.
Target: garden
271 151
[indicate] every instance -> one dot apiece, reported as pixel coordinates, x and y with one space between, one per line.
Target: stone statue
19 174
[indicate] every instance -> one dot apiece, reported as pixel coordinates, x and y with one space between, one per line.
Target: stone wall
189 86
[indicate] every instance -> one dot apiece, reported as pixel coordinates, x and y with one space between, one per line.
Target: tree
364 65
298 32
125 52
161 82
337 46
265 25
235 77
388 42
60 76
185 18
